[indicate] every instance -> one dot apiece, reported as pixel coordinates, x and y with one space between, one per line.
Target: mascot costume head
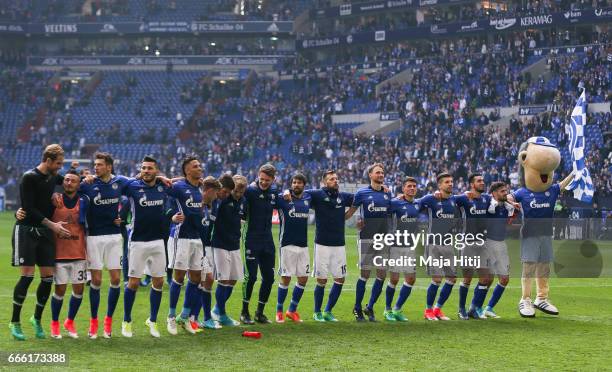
537 160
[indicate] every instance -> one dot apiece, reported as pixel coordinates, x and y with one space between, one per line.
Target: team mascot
537 159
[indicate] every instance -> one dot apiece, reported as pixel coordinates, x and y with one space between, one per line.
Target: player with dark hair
294 259
498 213
405 211
185 249
473 210
329 204
33 243
259 251
104 241
147 198
442 220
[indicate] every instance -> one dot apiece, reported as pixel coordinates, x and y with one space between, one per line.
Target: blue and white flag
582 184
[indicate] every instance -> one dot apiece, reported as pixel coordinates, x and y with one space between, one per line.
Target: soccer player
498 212
405 210
185 249
442 213
147 198
70 252
294 259
212 188
104 241
33 243
259 245
374 204
330 253
473 210
226 245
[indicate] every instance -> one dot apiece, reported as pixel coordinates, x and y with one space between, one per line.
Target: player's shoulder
30 173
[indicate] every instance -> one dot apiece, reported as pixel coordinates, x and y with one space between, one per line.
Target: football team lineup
204 242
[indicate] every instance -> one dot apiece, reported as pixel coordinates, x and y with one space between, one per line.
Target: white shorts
403 254
368 256
74 272
149 257
329 261
104 250
228 264
208 263
498 260
478 255
185 254
439 254
294 261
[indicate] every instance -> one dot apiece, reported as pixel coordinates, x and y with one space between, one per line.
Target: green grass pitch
579 339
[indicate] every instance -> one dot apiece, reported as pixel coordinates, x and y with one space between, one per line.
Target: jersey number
81 275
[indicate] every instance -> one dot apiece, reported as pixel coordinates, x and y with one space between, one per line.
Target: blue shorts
537 249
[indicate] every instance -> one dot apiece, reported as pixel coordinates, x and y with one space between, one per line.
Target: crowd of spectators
442 14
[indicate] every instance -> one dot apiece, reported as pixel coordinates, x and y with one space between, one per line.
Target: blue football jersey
293 216
207 225
374 206
442 214
537 210
104 200
329 206
188 201
148 209
405 214
228 220
473 212
496 223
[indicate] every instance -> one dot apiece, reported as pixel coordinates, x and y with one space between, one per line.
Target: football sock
403 296
206 302
155 296
113 298
175 292
376 291
19 294
56 306
296 296
334 294
463 292
74 305
282 295
389 293
359 292
129 296
42 295
497 293
444 293
432 290
319 291
94 300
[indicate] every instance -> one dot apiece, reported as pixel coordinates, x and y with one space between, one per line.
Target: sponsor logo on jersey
149 203
373 208
439 214
534 205
99 201
191 204
473 210
294 214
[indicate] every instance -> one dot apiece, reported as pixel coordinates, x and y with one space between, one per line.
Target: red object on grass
251 334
